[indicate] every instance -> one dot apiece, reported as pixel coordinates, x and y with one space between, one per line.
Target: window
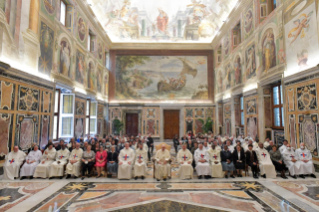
67 115
56 115
93 118
277 105
63 7
91 41
236 35
87 116
242 115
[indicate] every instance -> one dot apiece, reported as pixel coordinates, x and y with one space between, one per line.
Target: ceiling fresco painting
162 20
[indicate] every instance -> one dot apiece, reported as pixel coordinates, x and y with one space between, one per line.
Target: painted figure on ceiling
162 21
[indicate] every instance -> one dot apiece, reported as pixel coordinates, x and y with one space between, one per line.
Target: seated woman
88 161
100 158
278 161
239 160
112 164
227 162
252 161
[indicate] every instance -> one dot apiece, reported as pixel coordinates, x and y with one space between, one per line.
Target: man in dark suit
252 160
150 144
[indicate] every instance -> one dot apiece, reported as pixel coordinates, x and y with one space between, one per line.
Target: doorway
171 123
131 124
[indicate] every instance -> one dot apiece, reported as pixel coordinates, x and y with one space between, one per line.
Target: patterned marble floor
194 195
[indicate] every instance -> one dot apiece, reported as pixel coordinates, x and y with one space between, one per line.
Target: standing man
163 168
126 159
202 162
33 160
12 164
62 156
150 145
48 157
74 165
185 159
176 142
140 166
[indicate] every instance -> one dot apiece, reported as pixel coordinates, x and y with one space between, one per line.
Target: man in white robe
202 162
32 160
185 159
126 160
291 161
57 167
140 165
305 158
266 166
12 164
48 157
215 162
206 146
283 147
75 162
217 147
163 168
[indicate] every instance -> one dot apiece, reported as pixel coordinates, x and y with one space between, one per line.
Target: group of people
78 158
127 157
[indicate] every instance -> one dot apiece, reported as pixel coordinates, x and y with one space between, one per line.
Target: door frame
135 111
181 120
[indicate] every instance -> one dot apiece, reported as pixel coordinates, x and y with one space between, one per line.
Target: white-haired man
163 168
185 159
140 166
126 160
12 164
305 158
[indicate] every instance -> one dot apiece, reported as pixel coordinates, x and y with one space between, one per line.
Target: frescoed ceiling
182 21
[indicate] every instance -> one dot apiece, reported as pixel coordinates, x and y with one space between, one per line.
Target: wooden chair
158 147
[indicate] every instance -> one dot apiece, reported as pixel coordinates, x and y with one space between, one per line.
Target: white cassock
266 144
294 167
265 164
207 148
186 169
29 168
140 168
282 148
162 170
43 169
305 168
56 169
12 164
217 169
125 170
75 168
202 168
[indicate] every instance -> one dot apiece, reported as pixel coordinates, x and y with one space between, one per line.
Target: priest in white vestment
75 162
305 158
48 157
12 164
185 159
267 168
202 162
291 161
215 162
57 167
283 147
140 165
126 160
32 160
163 168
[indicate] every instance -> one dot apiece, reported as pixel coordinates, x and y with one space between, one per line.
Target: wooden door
171 123
132 124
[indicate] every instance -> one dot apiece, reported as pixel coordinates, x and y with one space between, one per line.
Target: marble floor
105 194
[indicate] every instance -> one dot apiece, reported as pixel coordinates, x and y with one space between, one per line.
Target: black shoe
240 175
255 176
313 176
164 179
206 177
200 177
301 176
61 177
283 177
89 176
157 179
232 176
22 178
82 178
75 177
294 176
68 176
226 176
264 176
98 176
135 178
31 177
143 177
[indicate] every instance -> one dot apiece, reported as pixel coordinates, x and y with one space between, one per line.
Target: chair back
158 147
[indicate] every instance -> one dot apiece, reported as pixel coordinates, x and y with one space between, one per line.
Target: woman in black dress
239 160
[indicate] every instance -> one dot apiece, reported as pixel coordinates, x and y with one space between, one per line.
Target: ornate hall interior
159 105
